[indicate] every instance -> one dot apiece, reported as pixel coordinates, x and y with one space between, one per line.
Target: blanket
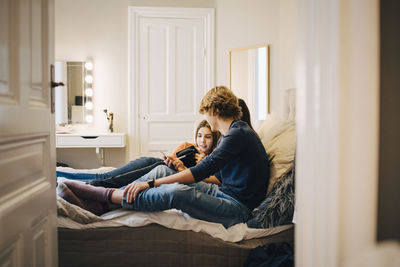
74 217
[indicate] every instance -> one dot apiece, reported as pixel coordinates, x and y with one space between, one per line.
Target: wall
287 43
240 24
99 29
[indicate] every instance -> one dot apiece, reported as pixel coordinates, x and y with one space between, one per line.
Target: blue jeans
118 177
200 200
159 171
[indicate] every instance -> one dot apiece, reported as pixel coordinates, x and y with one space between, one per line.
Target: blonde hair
222 102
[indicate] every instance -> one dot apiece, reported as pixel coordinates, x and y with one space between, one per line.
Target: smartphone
164 156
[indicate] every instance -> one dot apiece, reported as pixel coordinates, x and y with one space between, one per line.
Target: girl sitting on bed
206 141
240 162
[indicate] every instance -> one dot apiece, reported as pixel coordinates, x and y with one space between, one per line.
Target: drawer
87 140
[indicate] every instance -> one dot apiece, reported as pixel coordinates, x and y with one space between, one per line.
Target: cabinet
91 140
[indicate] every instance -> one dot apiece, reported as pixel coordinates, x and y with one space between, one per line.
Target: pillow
280 143
268 124
278 207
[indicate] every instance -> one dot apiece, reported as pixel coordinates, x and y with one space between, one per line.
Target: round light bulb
89 65
89 105
89 118
89 78
89 91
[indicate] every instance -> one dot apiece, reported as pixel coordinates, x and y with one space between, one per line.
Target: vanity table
74 110
91 140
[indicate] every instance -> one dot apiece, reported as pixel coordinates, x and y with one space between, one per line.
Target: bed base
154 245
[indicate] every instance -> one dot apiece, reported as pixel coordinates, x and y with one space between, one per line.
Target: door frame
135 15
337 131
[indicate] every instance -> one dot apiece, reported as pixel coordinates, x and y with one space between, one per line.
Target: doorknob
53 85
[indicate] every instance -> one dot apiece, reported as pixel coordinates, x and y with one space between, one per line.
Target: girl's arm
179 148
179 166
199 157
170 160
213 180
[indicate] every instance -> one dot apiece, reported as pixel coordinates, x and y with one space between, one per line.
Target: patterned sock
86 191
93 206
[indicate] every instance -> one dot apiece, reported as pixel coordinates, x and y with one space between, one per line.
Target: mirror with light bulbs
74 101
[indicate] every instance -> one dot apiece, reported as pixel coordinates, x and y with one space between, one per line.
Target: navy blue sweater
240 163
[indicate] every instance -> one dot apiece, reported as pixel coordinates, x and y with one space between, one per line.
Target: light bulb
89 105
89 118
89 65
89 91
89 78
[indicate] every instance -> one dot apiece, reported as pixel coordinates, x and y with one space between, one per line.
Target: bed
172 238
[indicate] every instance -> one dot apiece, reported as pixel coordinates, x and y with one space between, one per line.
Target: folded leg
93 206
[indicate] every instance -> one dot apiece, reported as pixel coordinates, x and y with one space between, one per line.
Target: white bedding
73 217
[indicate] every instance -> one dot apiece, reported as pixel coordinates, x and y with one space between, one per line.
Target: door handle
53 85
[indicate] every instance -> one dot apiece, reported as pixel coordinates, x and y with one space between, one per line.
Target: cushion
280 143
278 207
270 122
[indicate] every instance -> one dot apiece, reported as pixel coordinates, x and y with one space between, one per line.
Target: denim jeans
200 200
157 172
118 177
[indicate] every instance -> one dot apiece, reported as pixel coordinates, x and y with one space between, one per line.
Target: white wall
241 23
287 43
99 29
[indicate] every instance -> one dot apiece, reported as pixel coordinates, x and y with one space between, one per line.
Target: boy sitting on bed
240 162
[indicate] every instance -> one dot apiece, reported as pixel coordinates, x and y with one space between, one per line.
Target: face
204 140
212 120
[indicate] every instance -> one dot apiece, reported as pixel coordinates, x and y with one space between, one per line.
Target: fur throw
278 207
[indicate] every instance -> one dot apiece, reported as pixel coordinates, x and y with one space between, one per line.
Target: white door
28 234
172 75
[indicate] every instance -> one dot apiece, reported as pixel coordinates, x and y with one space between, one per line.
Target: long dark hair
215 135
245 113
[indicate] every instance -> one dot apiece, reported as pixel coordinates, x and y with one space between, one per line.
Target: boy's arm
131 191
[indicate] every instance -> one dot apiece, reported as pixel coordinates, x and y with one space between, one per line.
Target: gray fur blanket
278 207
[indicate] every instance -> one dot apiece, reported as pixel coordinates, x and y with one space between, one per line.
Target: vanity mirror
73 103
249 78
